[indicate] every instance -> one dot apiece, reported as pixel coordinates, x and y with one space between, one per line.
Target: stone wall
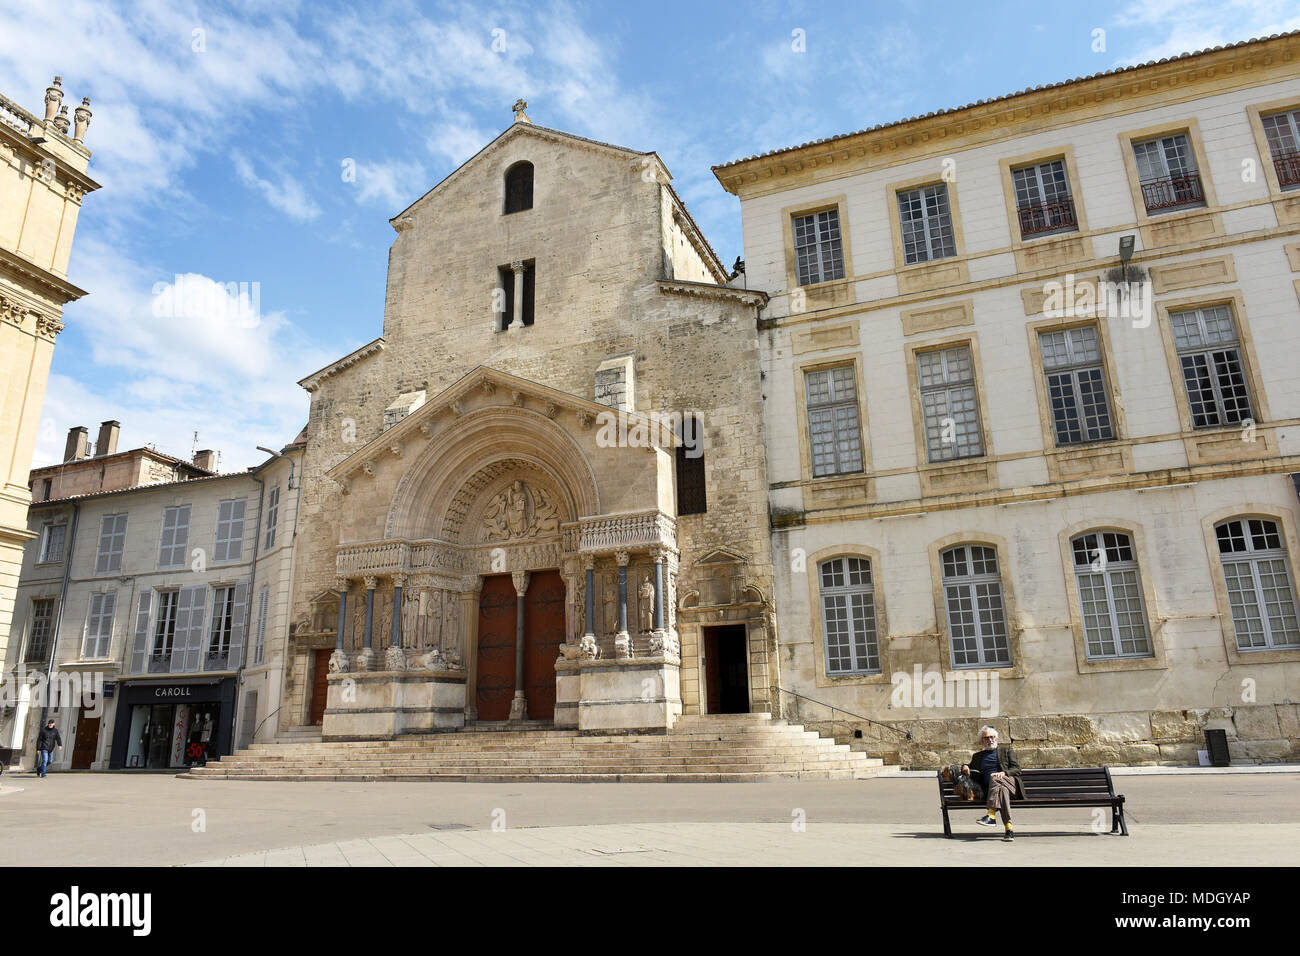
1257 733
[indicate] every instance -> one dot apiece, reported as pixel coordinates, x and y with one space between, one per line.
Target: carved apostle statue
647 606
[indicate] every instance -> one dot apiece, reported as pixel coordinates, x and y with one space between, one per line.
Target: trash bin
1216 742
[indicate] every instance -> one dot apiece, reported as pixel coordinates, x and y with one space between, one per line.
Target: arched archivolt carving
472 453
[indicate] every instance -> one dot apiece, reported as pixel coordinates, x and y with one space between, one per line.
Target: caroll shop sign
173 691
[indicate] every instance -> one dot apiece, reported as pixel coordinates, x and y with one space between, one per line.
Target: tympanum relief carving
522 510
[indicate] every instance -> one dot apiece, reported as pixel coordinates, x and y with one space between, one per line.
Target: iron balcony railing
1173 192
1047 217
1288 169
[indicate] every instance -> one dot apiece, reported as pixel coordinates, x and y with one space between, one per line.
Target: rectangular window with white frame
230 530
272 517
1209 356
834 430
53 537
99 626
164 632
223 623
1283 133
38 633
926 222
112 540
1076 385
1167 173
818 249
1044 205
175 537
949 403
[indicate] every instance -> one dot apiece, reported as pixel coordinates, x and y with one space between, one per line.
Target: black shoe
1008 837
987 821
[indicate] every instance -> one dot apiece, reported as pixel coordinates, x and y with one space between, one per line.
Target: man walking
46 741
996 768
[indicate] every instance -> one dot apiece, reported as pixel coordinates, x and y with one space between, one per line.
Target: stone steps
710 748
752 777
560 760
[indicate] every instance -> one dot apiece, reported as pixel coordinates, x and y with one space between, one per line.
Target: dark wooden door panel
496 648
83 748
543 635
319 686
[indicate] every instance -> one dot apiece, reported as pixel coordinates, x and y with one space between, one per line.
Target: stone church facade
542 493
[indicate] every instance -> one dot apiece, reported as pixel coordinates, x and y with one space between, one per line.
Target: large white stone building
975 467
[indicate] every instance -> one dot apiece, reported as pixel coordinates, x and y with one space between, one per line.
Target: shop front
173 724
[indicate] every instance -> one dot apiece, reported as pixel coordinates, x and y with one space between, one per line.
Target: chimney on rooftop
205 459
106 443
75 449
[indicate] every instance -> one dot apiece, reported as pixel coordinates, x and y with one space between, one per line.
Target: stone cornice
22 269
1250 63
312 381
707 291
15 140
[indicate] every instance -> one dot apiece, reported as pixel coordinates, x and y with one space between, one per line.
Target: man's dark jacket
48 739
1006 763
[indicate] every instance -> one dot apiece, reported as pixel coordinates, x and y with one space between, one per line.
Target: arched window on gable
519 187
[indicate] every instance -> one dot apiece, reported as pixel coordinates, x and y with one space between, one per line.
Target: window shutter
182 634
140 646
192 641
237 615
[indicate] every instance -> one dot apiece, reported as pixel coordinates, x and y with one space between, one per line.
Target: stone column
622 640
339 661
659 591
517 320
366 659
394 658
465 639
519 706
589 563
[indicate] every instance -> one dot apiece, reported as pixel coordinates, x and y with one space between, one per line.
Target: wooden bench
1067 787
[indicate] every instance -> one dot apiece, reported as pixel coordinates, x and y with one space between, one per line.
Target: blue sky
221 132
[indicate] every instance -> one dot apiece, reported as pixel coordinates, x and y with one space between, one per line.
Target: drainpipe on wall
248 611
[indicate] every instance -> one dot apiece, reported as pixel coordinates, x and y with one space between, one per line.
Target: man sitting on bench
996 768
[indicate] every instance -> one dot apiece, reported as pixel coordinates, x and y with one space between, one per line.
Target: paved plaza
156 819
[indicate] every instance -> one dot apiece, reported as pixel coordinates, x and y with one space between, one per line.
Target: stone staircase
708 749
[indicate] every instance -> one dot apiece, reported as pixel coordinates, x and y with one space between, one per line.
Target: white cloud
285 194
176 357
394 184
1186 26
